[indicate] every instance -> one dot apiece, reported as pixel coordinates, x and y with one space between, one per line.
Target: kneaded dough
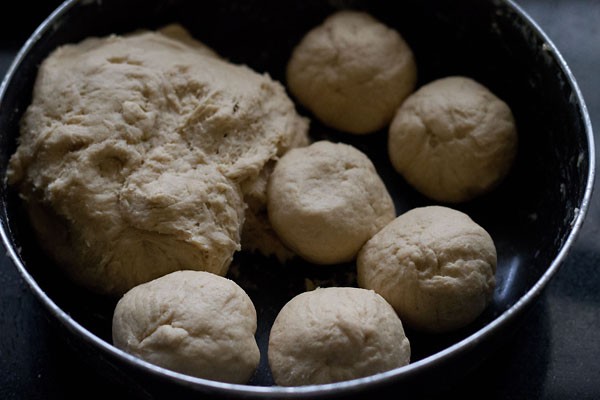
193 322
453 139
335 334
434 265
326 200
134 150
257 234
352 72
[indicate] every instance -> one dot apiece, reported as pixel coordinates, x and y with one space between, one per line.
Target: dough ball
352 72
335 334
133 152
453 140
434 265
326 200
192 322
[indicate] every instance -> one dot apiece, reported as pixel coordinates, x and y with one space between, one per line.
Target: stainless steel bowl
533 216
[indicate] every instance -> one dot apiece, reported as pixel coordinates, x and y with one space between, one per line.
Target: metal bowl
533 216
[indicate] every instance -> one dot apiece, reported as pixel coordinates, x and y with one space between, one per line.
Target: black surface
553 356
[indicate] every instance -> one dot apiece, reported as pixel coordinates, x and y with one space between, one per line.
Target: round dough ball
434 265
352 72
326 200
453 139
335 334
193 322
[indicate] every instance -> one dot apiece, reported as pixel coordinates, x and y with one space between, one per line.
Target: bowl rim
469 342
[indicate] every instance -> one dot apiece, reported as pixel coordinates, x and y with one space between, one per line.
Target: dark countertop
554 355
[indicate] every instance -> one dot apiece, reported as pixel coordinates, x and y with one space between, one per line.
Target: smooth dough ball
193 322
453 139
352 72
326 200
335 334
134 150
434 265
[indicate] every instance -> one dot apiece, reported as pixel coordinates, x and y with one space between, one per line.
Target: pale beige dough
434 265
326 200
453 139
335 334
134 150
352 72
192 322
258 234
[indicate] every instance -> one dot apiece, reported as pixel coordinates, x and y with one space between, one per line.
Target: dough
258 234
453 140
192 322
326 200
335 334
352 72
134 150
434 265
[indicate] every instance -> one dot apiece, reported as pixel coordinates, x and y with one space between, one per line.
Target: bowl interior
529 215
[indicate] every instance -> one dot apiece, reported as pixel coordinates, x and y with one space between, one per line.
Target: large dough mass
135 150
